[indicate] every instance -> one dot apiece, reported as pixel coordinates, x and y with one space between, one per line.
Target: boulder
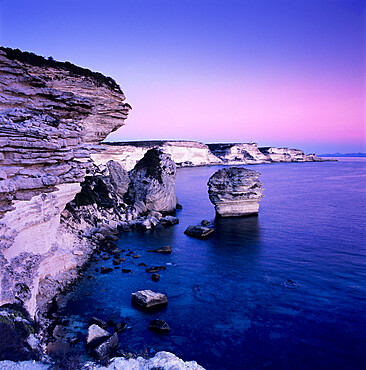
159 325
165 250
147 299
155 269
120 327
99 322
155 277
105 349
235 191
169 220
105 270
117 261
126 271
198 231
96 335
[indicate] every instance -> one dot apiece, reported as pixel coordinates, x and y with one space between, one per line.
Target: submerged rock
155 277
159 326
165 250
120 327
155 269
148 299
235 191
99 322
198 231
105 270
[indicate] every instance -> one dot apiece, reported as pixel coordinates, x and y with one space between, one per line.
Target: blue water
228 305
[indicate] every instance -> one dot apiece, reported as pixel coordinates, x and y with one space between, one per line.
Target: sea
282 290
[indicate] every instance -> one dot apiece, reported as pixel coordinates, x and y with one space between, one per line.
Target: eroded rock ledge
52 115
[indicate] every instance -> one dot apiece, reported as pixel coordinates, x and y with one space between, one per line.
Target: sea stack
235 192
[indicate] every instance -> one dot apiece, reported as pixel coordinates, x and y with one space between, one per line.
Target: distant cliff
193 153
52 115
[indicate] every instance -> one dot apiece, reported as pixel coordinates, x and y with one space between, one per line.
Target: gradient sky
281 73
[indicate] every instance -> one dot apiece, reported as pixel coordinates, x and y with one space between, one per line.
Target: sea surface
284 290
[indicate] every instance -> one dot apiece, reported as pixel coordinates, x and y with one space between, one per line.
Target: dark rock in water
155 268
106 257
135 256
165 250
74 341
99 322
125 228
105 270
103 350
96 335
198 231
159 326
169 220
114 251
111 322
235 191
155 277
112 238
142 264
125 271
290 284
117 267
147 299
205 223
120 327
96 270
117 261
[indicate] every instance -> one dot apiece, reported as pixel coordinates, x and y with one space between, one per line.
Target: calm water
228 305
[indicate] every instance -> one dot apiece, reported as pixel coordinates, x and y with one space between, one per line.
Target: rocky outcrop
235 191
51 116
153 182
192 153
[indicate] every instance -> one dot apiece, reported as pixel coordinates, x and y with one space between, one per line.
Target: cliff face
245 153
51 117
183 153
193 153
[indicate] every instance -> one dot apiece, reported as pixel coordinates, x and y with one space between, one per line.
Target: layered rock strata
183 153
288 155
51 117
192 153
235 191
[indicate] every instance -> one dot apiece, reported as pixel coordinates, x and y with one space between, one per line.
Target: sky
277 72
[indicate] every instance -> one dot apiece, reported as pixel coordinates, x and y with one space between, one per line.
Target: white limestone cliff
51 116
192 153
183 153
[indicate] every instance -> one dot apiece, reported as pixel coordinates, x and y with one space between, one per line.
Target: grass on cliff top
40 61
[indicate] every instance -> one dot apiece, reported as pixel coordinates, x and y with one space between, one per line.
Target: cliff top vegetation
40 61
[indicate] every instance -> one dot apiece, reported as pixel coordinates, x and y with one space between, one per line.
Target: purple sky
279 72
